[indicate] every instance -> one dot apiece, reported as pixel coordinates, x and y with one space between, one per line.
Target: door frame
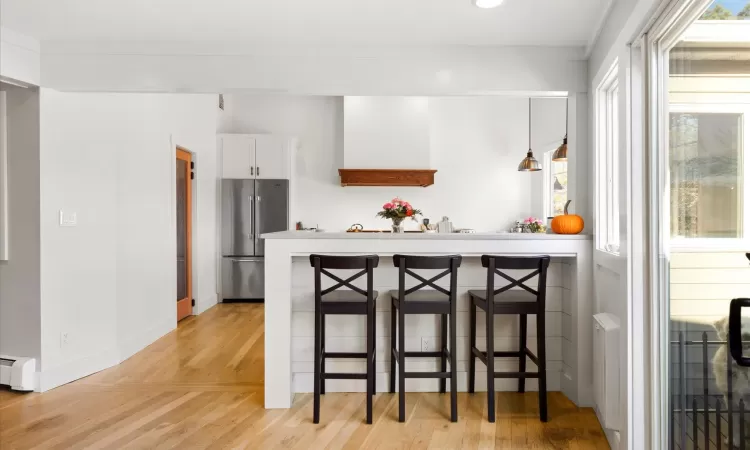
185 305
665 30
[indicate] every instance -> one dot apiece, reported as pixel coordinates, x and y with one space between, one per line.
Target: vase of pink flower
396 211
534 225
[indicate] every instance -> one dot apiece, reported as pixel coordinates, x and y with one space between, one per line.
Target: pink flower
408 206
388 206
527 220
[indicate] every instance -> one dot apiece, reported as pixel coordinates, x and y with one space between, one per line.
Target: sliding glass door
697 79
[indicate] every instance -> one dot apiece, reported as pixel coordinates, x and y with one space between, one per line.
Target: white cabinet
254 156
237 156
271 157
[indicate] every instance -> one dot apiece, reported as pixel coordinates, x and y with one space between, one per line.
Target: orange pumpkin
567 223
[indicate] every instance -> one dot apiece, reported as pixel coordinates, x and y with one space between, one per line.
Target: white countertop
425 236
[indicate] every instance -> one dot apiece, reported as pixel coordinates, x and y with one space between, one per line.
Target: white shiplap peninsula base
289 306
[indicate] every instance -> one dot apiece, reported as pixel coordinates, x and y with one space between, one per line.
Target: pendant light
529 164
561 154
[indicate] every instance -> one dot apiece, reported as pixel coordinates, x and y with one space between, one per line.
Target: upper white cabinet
237 156
254 156
271 157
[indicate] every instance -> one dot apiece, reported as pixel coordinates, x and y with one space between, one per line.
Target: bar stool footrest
427 374
344 355
343 376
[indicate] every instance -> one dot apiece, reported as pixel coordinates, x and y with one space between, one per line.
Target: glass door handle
735 330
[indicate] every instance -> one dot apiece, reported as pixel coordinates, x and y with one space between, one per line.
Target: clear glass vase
397 226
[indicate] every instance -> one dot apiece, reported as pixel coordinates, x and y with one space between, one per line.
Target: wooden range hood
387 177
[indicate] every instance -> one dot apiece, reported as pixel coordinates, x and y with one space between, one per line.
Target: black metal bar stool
437 301
522 301
352 301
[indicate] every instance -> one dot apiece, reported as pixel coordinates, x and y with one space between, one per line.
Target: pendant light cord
529 123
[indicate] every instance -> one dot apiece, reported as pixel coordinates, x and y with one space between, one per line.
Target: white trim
637 349
4 242
718 31
606 138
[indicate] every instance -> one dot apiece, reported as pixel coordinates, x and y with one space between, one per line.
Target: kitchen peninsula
289 309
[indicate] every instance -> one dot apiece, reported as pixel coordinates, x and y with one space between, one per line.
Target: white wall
20 317
476 145
339 70
110 282
392 129
19 57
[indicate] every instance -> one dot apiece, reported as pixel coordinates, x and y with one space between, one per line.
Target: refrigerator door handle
239 260
252 220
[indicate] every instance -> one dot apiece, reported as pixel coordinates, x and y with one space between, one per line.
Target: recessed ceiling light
488 3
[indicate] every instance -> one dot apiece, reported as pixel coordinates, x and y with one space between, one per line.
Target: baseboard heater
18 373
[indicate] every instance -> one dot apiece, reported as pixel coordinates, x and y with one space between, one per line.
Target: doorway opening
184 199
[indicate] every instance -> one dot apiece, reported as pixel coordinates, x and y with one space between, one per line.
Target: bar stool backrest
537 264
322 263
405 263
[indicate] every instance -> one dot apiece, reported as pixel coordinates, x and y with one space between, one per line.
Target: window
707 186
555 185
607 139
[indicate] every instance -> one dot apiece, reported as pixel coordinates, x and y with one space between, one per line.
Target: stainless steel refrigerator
249 209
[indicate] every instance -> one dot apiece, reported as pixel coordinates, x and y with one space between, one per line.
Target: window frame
606 129
548 184
702 106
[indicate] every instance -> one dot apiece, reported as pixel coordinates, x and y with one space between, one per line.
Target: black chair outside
438 300
506 300
351 301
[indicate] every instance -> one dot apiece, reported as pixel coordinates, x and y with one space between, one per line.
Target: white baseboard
202 305
613 437
80 368
141 339
83 367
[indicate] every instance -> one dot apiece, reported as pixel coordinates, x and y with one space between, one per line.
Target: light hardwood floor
201 386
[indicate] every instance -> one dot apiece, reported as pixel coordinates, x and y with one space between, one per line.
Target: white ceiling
309 22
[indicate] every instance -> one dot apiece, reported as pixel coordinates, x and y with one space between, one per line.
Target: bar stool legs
370 375
394 336
316 376
490 366
541 355
443 346
401 367
454 377
522 354
473 338
323 351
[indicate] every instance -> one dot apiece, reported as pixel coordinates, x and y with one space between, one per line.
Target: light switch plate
68 218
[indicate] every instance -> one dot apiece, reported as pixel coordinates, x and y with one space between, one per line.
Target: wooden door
237 156
270 158
184 234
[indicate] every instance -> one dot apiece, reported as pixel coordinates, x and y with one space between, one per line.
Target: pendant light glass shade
561 154
529 163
